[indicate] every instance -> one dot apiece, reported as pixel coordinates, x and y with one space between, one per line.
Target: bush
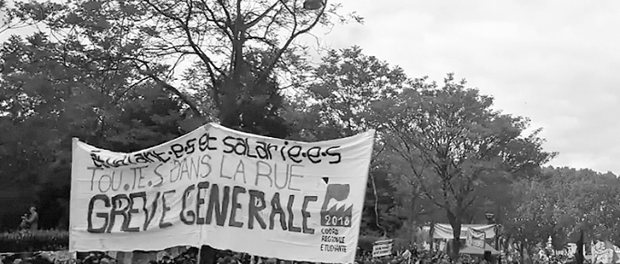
43 240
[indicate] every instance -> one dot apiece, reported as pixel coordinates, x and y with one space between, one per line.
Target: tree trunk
431 233
497 243
455 223
229 116
522 251
412 232
580 256
456 246
228 107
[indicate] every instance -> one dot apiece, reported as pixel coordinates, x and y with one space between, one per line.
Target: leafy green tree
564 203
530 221
7 20
413 208
454 141
51 93
335 103
109 57
340 91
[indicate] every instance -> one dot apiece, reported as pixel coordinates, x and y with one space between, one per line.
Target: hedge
43 240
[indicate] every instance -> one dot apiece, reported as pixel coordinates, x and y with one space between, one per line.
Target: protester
30 221
187 257
410 256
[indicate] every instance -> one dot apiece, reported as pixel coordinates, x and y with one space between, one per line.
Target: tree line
127 75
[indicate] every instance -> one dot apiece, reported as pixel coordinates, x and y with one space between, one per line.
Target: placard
382 248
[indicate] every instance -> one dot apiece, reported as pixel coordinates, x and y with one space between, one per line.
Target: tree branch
288 42
208 62
119 96
261 16
165 85
176 91
224 28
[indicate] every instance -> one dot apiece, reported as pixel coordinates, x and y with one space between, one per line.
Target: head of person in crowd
192 252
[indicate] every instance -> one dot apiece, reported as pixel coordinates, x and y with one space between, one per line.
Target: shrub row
48 240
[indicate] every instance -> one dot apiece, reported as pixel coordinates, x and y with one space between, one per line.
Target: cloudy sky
556 62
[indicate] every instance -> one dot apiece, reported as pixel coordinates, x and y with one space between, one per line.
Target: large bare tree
228 59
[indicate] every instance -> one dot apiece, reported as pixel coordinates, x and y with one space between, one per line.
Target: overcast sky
556 62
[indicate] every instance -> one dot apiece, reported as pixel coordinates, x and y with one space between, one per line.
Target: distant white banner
227 189
382 248
444 231
475 238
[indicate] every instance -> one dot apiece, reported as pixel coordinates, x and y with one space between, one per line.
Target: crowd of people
190 256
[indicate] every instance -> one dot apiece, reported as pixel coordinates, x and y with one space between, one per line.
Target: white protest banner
382 248
223 188
475 238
